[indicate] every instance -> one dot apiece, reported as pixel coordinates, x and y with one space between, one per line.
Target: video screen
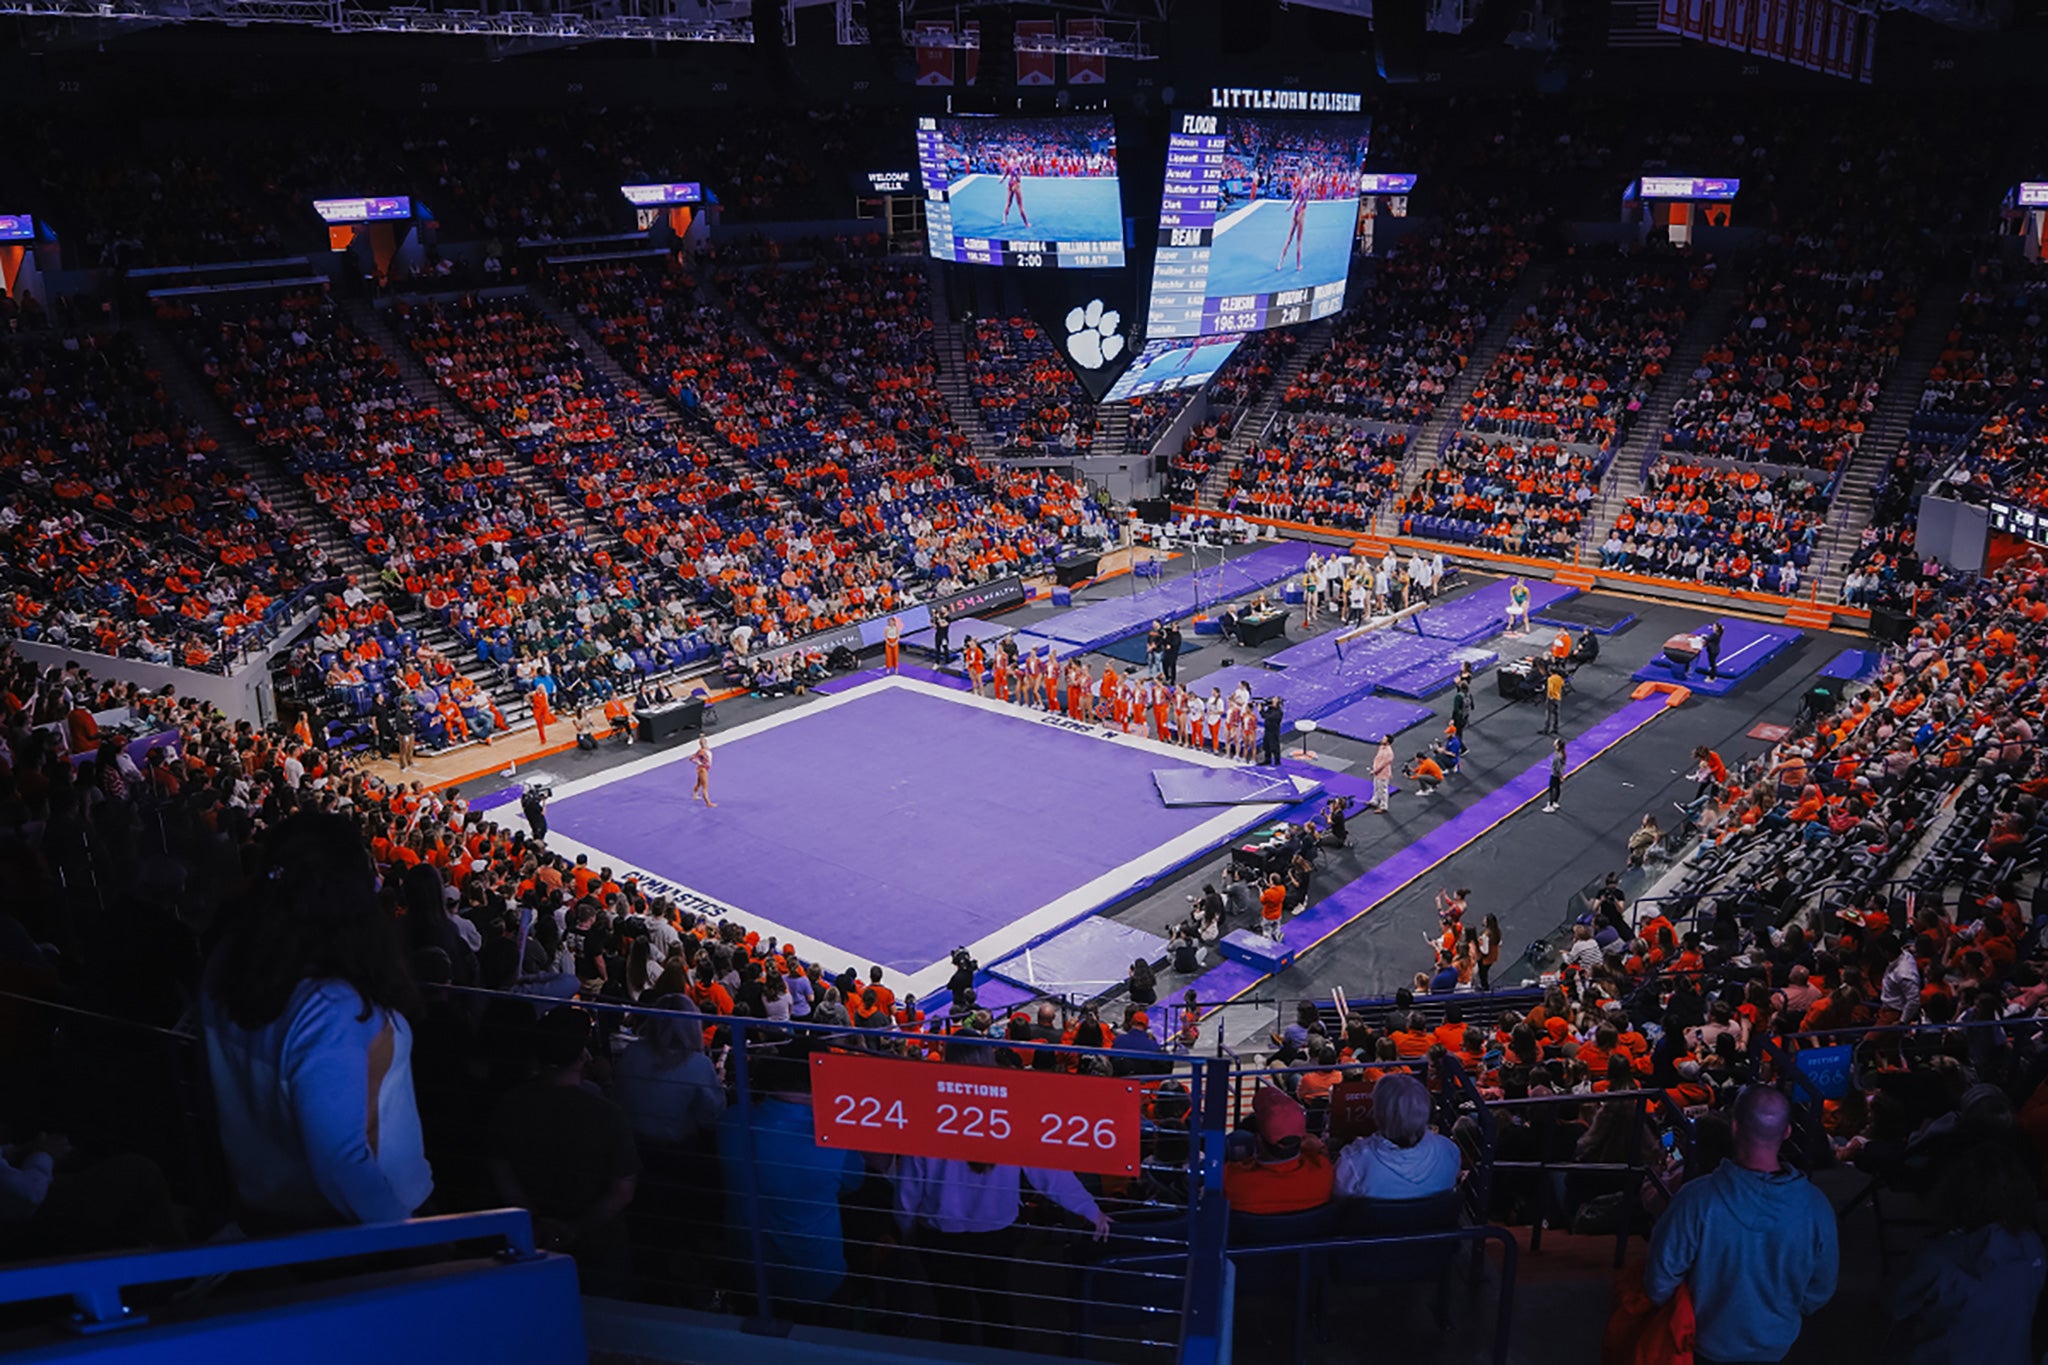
1165 366
17 227
1256 222
1039 192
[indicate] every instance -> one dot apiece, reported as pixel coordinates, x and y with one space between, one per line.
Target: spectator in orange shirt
1287 1171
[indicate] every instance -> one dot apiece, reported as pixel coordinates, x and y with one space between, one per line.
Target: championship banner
1717 22
1086 70
1696 18
1671 15
1773 17
1036 68
1866 58
972 29
935 64
1740 13
1842 53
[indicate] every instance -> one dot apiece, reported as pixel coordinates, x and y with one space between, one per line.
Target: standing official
1169 651
1272 718
1553 699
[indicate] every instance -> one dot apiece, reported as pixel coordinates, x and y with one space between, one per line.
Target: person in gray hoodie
1969 1297
1403 1159
1754 1241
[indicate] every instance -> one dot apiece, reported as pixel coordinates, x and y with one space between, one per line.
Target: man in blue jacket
1754 1241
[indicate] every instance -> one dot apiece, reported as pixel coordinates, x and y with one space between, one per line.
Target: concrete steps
1708 324
1253 422
1885 433
192 393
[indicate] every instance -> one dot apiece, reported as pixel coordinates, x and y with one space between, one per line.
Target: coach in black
1271 755
1169 652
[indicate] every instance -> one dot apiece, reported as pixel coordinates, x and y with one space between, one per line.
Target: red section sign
1045 1119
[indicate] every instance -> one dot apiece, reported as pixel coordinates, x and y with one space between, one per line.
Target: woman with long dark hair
304 1007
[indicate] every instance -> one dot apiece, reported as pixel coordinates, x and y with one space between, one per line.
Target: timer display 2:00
975 1120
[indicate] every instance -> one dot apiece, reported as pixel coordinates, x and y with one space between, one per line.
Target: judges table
658 723
1260 627
1266 850
1075 568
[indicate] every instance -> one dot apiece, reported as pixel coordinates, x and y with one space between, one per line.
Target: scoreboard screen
1165 366
371 209
1256 222
654 196
1034 192
17 227
2016 520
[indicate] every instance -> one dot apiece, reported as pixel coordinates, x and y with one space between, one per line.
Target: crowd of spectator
125 530
1027 394
1318 470
1401 345
1736 528
1797 375
1514 496
1579 362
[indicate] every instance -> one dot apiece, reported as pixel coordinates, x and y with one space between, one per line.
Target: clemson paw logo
1092 337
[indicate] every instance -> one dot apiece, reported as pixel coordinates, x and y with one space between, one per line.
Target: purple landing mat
1082 962
832 686
965 629
1119 617
1373 719
1427 679
1346 904
1482 613
1852 664
896 824
1246 786
1746 646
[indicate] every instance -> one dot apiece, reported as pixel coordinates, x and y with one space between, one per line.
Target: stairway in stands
1422 449
1885 432
192 394
1709 322
1112 429
956 383
1253 421
371 322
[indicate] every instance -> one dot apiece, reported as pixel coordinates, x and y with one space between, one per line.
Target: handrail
94 1283
1504 1311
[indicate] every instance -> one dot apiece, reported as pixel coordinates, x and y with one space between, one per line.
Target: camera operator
533 803
964 968
1336 814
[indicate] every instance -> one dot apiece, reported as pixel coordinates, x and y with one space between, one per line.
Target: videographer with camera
533 804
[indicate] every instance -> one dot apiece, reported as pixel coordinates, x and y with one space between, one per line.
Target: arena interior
1143 680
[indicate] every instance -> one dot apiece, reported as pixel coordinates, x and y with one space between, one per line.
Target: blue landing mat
1083 962
1852 664
1245 786
1132 651
1746 646
1373 719
1117 618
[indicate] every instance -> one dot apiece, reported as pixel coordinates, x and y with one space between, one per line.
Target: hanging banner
972 54
1036 68
1739 16
1866 59
1086 70
934 64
